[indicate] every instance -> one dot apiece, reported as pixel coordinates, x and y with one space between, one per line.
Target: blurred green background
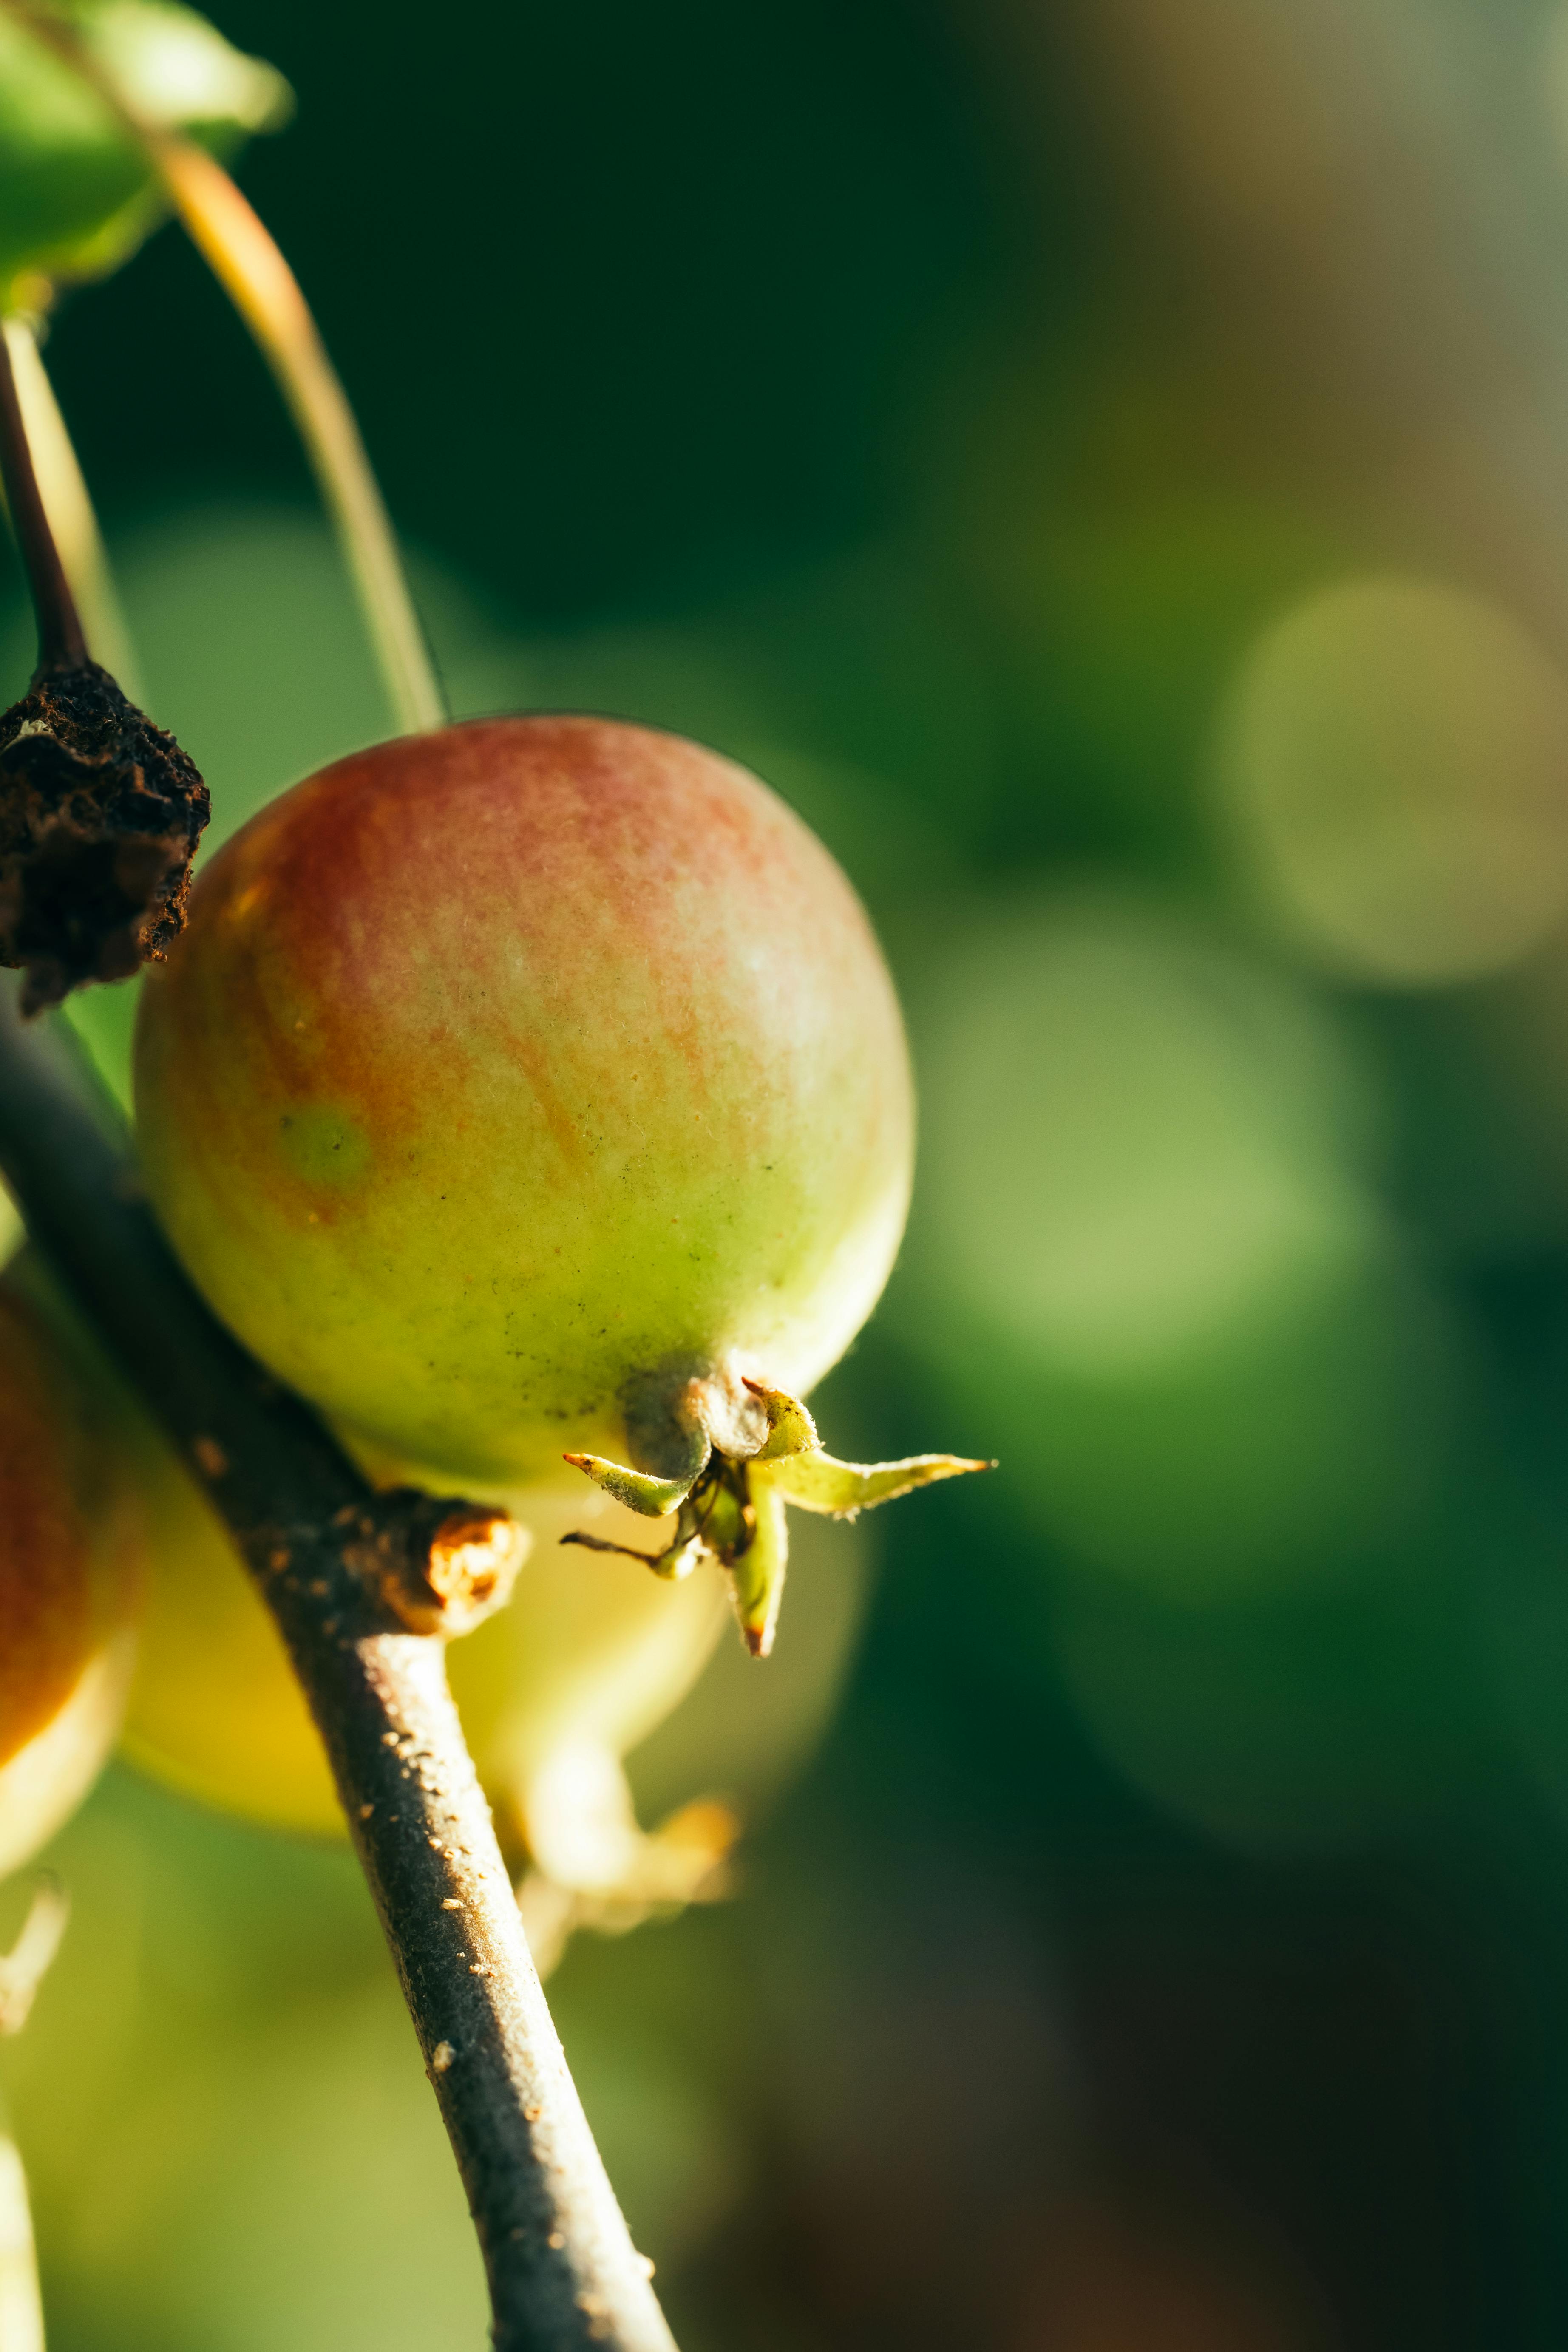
1106 462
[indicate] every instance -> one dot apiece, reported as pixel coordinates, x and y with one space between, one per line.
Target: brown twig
562 2270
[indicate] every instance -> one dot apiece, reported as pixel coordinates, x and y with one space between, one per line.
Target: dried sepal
815 1482
733 1509
654 1497
100 812
791 1429
757 1570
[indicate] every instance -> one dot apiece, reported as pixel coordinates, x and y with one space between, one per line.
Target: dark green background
899 369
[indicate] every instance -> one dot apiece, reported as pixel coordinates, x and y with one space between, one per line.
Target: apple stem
564 2274
62 645
22 1970
69 506
246 259
21 2306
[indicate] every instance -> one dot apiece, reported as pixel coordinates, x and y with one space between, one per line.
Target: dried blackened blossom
100 812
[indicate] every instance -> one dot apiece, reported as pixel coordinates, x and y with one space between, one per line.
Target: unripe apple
521 1085
70 1542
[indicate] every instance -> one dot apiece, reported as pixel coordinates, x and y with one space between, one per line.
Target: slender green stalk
22 1971
72 523
247 263
23 1968
21 2306
245 258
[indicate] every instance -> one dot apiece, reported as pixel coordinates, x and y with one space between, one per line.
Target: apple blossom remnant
732 1507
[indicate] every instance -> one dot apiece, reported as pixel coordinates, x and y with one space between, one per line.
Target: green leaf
817 1483
77 193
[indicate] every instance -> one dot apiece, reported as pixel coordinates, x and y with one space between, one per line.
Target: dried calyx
730 1507
100 812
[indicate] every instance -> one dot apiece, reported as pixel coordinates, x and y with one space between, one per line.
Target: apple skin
71 1537
510 1078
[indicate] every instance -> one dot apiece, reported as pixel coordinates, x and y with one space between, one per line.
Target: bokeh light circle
1136 1139
1147 1265
1394 763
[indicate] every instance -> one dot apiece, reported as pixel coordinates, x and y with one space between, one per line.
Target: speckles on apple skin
321 1147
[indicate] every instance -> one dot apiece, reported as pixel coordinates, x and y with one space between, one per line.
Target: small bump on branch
439 1567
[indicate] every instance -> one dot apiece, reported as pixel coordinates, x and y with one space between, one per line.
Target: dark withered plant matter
100 812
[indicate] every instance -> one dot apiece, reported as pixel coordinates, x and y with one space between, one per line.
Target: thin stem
61 644
564 2274
21 2305
23 1968
22 1971
246 259
66 500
